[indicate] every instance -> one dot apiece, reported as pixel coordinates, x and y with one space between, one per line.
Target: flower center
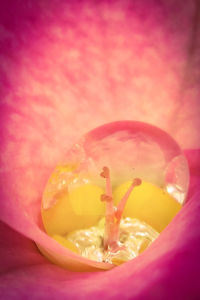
114 213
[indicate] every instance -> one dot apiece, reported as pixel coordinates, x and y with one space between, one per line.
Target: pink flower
67 67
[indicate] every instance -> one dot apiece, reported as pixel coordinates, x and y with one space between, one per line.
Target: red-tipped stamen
110 210
113 215
106 174
106 198
121 205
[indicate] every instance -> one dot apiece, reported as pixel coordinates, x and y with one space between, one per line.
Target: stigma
114 213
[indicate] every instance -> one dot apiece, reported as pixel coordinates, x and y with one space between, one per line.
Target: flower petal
67 67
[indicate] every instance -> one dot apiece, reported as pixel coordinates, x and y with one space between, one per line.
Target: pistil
122 204
114 214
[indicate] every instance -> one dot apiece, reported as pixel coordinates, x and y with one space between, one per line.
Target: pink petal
67 67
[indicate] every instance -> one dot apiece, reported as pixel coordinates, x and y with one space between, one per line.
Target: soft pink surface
67 67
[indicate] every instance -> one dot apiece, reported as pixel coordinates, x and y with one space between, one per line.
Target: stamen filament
114 214
121 206
110 210
122 203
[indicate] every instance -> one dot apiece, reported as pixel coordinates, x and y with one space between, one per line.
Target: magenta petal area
169 269
67 67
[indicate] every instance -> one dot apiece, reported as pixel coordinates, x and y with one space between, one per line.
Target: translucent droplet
131 150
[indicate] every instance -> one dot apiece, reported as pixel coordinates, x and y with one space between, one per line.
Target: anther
106 198
105 173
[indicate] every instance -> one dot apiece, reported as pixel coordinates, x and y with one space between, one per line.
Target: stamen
114 214
122 203
106 198
121 206
106 174
110 210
